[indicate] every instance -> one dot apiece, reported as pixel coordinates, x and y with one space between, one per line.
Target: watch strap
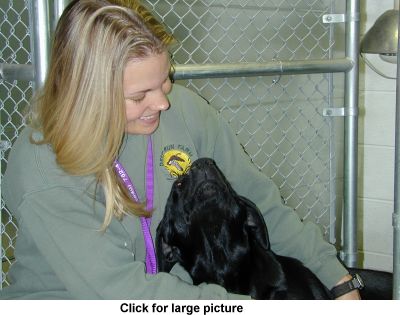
355 283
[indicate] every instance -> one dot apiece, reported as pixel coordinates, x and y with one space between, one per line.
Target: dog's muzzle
207 177
207 189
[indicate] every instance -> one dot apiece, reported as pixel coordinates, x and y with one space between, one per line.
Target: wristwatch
355 283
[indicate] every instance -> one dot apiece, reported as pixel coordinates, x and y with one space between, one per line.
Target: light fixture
382 39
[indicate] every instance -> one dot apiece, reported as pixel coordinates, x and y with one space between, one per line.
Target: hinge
339 112
340 18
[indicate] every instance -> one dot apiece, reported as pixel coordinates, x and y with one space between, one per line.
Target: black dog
220 237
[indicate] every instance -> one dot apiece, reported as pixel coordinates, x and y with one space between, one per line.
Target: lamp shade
382 37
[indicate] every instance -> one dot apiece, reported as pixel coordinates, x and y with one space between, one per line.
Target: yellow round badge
176 162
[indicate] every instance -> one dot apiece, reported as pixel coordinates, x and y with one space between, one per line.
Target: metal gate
279 119
275 69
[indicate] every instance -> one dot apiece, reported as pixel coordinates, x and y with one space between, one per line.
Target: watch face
359 283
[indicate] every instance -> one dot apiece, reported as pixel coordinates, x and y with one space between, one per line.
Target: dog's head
207 227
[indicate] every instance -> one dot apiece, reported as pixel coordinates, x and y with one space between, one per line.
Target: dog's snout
207 190
203 169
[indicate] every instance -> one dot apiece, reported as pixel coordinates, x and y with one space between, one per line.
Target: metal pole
396 212
199 71
40 30
10 72
349 250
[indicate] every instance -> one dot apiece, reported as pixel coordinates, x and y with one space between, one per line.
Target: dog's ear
167 256
255 223
169 252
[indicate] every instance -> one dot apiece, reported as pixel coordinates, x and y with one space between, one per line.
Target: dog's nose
203 169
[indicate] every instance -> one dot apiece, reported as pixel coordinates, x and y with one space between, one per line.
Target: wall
377 99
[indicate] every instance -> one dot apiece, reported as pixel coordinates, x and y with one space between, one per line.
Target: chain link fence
14 98
278 119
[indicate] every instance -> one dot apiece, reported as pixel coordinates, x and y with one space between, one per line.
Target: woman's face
146 85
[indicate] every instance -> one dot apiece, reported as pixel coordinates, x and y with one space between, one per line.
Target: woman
108 111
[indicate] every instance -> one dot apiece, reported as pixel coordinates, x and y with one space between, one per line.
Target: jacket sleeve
94 264
288 235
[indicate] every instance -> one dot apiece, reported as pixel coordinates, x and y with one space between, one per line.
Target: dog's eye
179 182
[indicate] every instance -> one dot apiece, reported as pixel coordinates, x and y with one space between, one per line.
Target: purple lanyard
151 261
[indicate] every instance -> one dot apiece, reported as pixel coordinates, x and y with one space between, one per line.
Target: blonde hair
81 109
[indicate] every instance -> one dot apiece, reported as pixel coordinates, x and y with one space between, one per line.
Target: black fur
220 237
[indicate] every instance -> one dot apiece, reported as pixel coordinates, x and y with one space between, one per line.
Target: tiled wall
377 101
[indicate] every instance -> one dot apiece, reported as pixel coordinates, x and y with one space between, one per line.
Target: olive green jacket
60 252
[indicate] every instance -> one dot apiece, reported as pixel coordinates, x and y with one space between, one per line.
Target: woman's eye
137 100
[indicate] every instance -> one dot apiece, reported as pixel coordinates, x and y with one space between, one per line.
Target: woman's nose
160 102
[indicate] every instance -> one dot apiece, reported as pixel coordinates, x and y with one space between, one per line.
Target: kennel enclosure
284 74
